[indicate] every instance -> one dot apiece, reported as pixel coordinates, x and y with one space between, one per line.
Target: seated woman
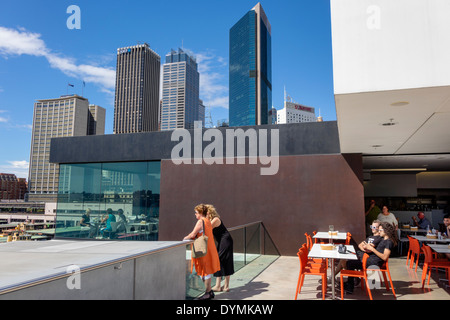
381 252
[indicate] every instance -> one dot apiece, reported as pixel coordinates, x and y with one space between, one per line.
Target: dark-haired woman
209 264
380 254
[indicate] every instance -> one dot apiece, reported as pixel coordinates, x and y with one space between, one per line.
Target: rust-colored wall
309 193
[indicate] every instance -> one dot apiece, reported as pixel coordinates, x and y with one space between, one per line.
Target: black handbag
342 248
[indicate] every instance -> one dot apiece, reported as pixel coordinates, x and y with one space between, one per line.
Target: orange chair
349 238
385 269
431 262
309 244
357 274
416 251
409 250
305 269
316 240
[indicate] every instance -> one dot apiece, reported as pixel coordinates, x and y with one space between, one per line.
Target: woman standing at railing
209 264
224 248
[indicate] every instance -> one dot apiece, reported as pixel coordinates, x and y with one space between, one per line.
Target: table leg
332 279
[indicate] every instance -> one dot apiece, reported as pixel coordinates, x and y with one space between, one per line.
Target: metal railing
250 241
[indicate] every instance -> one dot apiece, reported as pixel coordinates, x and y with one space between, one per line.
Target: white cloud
19 168
18 42
21 164
3 119
212 69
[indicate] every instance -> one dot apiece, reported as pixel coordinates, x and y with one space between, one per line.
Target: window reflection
117 201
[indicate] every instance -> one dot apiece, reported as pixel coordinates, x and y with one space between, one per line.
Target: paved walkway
279 280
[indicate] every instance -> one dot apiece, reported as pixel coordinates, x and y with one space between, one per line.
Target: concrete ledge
65 270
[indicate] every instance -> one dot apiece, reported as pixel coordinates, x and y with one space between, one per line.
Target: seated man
423 222
372 240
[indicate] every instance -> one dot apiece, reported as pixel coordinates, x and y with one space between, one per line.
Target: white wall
390 44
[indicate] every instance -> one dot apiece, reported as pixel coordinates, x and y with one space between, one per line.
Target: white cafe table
326 235
425 239
317 252
408 230
440 248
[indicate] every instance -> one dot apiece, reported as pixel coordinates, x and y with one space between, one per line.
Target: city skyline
40 56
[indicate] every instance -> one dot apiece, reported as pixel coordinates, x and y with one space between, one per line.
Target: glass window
122 200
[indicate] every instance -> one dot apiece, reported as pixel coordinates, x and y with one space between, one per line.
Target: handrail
244 225
248 243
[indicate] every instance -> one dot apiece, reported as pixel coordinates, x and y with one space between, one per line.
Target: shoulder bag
200 245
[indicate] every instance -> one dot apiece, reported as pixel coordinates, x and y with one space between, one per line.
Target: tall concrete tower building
136 105
250 96
180 96
66 116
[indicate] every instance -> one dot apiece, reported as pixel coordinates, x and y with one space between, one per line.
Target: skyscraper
61 117
180 96
136 103
250 78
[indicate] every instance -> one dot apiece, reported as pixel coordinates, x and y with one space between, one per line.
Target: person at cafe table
381 253
446 231
386 216
423 222
372 240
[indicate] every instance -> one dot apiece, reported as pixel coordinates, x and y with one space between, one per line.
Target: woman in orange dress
205 266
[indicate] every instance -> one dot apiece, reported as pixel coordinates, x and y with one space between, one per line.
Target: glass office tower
250 69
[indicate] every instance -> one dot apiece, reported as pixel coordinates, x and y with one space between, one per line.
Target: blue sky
40 55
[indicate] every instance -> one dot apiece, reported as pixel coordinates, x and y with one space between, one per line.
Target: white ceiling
418 137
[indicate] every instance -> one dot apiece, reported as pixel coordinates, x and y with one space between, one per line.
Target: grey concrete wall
156 276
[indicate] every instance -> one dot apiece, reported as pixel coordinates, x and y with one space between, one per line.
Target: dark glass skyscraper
250 69
136 104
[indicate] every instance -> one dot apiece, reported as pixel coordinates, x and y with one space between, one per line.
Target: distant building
136 105
11 187
66 116
96 120
181 105
273 116
201 112
250 96
295 113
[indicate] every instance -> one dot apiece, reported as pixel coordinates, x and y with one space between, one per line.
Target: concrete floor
279 280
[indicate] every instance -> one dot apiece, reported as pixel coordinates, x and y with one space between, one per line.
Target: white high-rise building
295 113
181 104
66 116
